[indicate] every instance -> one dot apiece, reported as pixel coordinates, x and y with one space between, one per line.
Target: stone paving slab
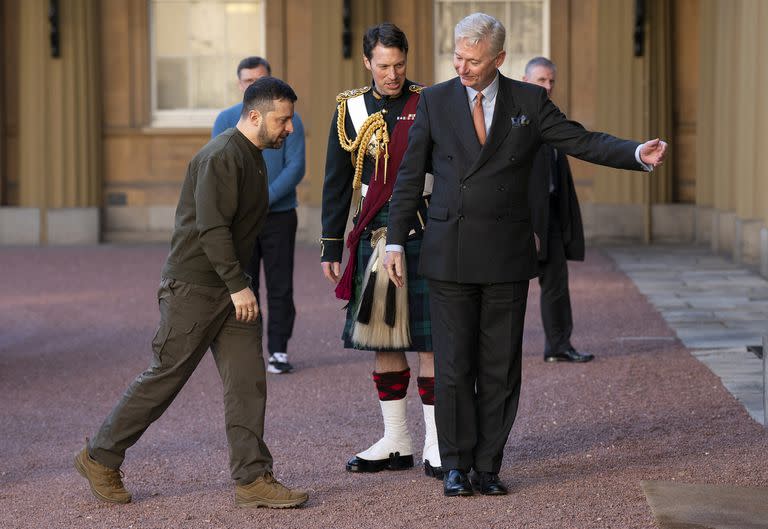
696 506
757 326
741 373
715 307
684 316
735 315
715 302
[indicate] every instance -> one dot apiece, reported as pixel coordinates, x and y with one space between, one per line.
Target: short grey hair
539 61
479 26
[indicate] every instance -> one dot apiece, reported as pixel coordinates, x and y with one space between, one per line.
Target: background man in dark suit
478 133
557 222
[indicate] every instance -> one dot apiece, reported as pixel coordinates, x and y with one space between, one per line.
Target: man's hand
393 263
537 242
332 271
245 305
652 152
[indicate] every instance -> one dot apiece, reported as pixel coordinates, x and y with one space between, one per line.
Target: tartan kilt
419 322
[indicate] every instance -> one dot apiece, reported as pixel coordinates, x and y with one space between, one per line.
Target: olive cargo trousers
192 319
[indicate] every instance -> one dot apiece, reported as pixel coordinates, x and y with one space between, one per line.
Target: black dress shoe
432 472
569 355
456 483
488 483
393 462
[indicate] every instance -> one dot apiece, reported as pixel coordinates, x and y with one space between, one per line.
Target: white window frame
545 30
188 117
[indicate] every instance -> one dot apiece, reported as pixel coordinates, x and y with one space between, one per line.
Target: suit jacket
565 200
479 228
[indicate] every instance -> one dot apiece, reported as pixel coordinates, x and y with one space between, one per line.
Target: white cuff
394 248
645 166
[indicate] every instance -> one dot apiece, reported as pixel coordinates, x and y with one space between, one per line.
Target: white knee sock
431 451
396 436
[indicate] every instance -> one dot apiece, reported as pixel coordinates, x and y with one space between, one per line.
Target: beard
264 138
269 142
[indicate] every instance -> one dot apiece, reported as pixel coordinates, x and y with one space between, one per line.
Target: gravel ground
76 325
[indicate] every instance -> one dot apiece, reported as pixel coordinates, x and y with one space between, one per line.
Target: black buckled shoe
569 355
393 462
488 484
432 472
456 483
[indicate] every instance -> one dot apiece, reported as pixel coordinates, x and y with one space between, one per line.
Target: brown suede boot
266 491
106 483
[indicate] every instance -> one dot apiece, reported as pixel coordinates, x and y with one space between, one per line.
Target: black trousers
556 314
477 332
275 246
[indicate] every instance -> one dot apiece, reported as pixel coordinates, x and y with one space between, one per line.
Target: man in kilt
368 138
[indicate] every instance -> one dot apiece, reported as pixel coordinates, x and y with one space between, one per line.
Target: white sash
357 111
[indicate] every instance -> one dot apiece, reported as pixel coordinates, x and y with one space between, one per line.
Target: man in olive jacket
206 301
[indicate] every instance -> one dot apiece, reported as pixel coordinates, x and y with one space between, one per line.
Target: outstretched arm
595 147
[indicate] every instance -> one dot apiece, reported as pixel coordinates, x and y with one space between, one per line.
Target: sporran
381 321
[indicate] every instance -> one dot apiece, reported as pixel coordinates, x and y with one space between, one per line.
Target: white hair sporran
381 320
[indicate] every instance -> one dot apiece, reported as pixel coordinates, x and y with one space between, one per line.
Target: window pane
495 9
207 94
172 84
523 19
524 36
171 17
207 28
232 88
448 15
196 46
244 30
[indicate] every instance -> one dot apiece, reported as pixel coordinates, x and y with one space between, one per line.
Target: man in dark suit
557 222
478 134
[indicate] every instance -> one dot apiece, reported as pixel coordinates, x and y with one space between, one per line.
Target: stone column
635 101
761 113
726 51
60 126
622 97
660 105
761 140
705 121
37 76
744 122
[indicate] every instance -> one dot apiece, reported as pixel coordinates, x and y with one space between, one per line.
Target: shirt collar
489 92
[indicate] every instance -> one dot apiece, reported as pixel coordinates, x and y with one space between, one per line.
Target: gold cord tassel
374 125
386 161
